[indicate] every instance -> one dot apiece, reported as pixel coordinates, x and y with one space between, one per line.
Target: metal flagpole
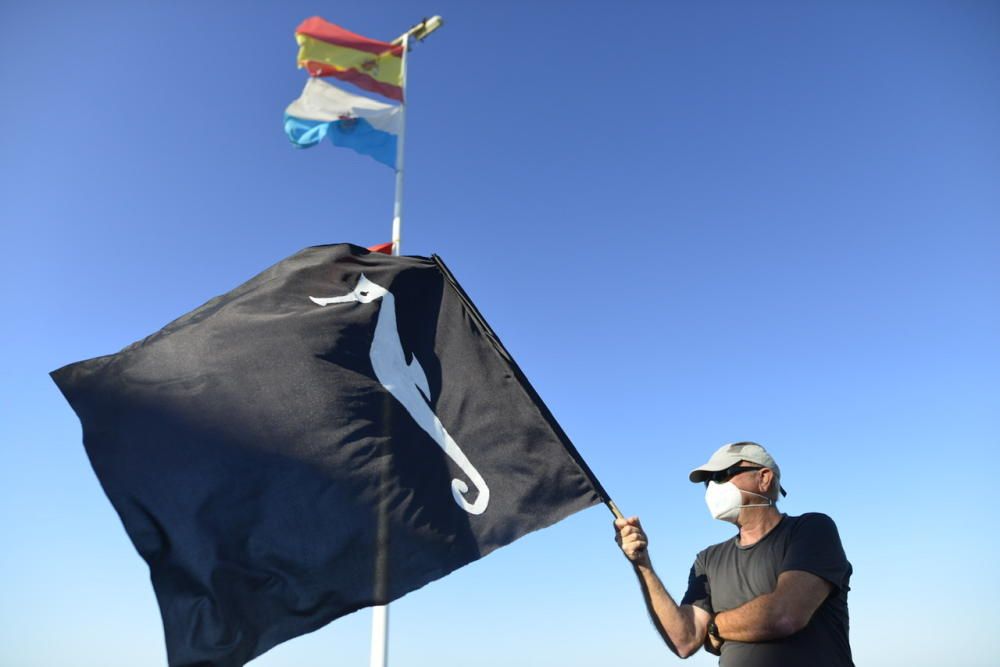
397 206
379 656
420 32
380 614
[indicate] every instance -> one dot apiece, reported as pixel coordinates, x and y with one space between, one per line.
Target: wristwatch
713 629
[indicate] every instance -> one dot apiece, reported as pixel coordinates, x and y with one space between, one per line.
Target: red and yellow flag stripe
326 49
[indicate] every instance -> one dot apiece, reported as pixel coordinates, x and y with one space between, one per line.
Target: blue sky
691 223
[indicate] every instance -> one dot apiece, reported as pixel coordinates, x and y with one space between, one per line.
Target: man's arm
779 614
683 628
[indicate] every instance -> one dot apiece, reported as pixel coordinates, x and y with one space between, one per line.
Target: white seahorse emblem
408 384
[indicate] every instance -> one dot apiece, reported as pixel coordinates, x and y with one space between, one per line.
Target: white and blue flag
369 127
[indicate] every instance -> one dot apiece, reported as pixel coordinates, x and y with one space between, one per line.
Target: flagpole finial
421 30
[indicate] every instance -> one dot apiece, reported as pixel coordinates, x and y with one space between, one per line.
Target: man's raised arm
683 627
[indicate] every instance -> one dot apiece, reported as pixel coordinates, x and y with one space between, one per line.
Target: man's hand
632 539
713 645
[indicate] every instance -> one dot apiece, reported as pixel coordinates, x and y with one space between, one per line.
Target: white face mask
726 500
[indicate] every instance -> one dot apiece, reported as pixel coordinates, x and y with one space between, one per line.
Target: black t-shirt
726 576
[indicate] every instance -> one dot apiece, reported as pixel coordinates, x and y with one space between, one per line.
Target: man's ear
766 481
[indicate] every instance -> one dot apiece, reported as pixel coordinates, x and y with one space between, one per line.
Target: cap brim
702 473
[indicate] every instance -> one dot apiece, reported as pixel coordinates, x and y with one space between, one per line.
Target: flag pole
379 656
397 205
420 32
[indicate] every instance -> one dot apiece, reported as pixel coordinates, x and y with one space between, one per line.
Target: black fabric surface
273 484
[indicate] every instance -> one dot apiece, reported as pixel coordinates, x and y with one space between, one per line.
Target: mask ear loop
770 502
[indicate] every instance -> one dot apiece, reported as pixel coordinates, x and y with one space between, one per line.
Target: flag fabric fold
326 49
336 432
324 111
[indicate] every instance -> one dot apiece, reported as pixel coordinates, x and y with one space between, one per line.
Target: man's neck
756 522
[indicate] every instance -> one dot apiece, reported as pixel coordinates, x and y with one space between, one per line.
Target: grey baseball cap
729 455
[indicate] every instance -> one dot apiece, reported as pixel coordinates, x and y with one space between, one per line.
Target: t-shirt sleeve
815 547
698 592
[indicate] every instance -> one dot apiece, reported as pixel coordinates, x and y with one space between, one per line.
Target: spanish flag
326 49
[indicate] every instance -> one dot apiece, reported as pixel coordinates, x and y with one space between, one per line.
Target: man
775 595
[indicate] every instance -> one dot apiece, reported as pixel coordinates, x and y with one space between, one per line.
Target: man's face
751 482
757 481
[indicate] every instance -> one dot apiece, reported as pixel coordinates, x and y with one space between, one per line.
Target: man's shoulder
811 519
813 528
809 522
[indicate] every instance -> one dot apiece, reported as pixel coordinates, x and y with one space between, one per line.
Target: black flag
335 433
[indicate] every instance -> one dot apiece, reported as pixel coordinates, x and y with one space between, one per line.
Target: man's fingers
634 549
628 531
633 543
631 538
